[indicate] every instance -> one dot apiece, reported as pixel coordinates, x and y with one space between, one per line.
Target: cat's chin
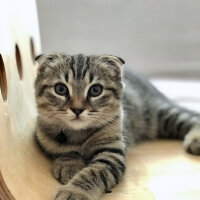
77 124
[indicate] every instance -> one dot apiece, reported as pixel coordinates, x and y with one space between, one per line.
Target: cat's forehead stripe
86 67
71 64
91 77
79 65
66 77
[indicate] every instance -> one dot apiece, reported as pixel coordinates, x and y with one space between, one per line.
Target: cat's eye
61 89
95 90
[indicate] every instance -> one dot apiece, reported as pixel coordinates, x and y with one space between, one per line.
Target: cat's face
78 92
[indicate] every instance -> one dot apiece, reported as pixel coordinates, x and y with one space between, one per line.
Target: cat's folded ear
37 58
44 60
113 63
113 60
120 59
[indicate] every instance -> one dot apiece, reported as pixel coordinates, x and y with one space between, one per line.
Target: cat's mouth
77 119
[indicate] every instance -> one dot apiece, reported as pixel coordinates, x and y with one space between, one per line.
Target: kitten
85 120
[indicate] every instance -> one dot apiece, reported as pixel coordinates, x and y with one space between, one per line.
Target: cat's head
78 92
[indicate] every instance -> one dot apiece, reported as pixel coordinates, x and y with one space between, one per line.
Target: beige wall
155 37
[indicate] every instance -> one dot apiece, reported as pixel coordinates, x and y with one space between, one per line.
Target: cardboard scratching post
159 170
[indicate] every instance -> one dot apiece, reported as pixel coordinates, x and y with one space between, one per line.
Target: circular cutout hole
18 61
3 80
32 50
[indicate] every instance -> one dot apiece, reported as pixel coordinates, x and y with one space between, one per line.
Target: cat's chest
61 138
70 138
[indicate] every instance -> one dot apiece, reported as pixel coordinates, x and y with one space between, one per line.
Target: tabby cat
87 117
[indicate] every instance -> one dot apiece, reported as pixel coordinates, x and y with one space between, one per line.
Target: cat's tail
177 122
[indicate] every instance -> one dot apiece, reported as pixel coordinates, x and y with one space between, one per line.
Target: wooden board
156 170
159 170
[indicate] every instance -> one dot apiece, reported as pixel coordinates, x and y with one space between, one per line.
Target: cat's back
137 84
140 102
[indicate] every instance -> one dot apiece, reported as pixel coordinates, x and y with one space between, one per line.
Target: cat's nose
77 111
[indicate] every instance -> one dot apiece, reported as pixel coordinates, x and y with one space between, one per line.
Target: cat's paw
64 171
66 194
192 142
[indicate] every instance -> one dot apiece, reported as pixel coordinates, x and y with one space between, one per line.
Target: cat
90 110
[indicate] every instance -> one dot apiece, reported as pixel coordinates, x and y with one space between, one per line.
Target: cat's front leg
103 172
66 166
72 194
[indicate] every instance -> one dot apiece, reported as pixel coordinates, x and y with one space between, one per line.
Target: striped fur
86 136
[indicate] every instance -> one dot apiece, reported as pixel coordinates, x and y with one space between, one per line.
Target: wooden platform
159 170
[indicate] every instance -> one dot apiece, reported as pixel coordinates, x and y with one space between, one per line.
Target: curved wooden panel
159 170
5 193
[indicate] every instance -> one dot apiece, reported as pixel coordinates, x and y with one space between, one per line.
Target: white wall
155 37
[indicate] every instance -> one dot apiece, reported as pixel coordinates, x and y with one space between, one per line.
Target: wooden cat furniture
156 170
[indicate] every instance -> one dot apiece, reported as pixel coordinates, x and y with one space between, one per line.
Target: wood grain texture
159 170
5 193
